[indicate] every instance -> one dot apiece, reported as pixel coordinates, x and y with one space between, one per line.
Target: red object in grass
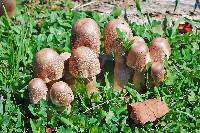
185 27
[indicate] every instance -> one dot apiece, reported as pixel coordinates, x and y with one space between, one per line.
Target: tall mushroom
37 90
137 58
85 32
61 94
112 44
84 63
10 6
48 65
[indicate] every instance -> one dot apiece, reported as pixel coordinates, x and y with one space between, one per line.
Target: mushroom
84 63
159 49
48 65
10 6
37 90
68 78
112 44
158 72
137 58
61 94
85 32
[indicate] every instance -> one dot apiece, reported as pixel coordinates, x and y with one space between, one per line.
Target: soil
157 9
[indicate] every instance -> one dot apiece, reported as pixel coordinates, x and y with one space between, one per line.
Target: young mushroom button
137 58
10 6
84 63
112 44
85 32
158 72
37 90
61 94
48 65
159 49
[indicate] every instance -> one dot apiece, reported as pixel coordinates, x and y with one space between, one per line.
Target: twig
81 6
97 106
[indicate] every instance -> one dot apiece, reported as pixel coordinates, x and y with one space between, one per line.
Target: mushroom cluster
48 70
54 74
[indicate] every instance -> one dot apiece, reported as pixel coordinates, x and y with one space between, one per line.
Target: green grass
37 27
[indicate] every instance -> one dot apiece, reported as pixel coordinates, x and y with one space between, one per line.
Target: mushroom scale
84 63
85 32
159 49
61 94
48 65
10 6
37 90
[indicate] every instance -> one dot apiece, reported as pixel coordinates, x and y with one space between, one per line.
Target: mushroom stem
91 85
139 81
121 73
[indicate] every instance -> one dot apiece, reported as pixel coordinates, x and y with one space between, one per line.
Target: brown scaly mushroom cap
61 94
65 56
10 6
84 63
48 65
37 90
85 32
138 57
111 41
159 49
158 72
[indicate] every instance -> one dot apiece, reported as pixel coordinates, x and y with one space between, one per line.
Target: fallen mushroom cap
149 110
10 6
138 57
48 65
158 71
84 63
85 32
61 94
159 49
111 41
37 90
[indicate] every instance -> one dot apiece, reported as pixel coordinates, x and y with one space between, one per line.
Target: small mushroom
84 63
68 78
10 6
137 58
112 44
85 32
61 94
48 65
159 49
158 72
37 90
